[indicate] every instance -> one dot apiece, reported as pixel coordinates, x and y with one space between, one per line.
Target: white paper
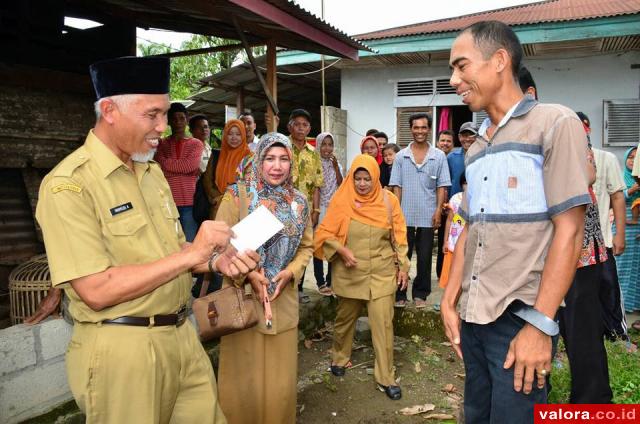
254 230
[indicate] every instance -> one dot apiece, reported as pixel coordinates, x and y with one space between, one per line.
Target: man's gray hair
121 100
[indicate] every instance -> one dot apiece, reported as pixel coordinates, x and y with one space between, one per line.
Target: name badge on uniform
121 208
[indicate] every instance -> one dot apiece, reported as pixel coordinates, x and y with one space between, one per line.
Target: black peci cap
130 75
300 112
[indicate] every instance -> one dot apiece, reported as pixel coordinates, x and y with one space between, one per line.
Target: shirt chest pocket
126 226
124 237
428 175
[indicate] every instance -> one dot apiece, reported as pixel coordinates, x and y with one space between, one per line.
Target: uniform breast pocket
127 226
123 237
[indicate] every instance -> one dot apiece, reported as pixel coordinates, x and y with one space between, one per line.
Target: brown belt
155 321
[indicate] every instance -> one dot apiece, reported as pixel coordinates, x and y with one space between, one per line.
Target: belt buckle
181 316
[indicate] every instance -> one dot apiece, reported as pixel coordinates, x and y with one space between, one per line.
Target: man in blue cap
115 245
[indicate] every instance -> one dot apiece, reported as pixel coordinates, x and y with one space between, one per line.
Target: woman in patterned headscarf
332 175
258 366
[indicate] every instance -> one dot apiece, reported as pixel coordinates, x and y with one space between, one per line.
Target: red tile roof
547 11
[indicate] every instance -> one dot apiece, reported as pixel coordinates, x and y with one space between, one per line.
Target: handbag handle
205 285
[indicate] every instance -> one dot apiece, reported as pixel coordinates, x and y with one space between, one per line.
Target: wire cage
28 285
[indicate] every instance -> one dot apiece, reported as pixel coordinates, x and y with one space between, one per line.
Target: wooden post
272 85
256 70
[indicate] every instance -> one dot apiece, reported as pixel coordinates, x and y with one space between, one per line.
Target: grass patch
624 374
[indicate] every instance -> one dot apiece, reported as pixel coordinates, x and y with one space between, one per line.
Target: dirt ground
427 371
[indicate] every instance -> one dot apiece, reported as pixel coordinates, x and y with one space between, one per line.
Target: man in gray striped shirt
420 177
524 209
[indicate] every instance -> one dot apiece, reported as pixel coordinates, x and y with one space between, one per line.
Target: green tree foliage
187 71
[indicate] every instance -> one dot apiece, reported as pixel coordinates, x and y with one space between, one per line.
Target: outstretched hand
213 236
259 283
47 307
283 278
234 264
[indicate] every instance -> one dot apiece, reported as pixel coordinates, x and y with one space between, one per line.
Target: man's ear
501 60
108 110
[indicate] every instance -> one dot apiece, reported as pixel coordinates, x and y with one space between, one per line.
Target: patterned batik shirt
306 170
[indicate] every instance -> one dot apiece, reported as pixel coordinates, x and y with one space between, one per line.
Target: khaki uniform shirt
95 213
375 274
284 309
307 171
534 167
608 181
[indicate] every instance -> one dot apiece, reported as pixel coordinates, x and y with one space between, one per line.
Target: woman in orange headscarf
221 169
361 234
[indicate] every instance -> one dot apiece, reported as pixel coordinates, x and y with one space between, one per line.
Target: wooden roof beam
272 13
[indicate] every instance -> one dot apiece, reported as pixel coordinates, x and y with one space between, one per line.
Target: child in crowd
332 174
453 227
389 152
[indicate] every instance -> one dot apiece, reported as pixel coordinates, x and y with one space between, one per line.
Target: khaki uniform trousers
381 322
258 377
126 374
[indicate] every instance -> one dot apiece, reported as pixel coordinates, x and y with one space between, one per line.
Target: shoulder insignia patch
66 186
227 196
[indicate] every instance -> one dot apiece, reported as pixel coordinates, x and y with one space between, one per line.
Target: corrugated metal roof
547 11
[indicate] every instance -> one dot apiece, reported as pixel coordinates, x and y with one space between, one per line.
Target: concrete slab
17 348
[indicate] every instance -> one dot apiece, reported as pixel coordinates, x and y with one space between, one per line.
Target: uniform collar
519 109
105 159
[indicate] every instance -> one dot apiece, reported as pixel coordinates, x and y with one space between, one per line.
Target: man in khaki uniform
115 245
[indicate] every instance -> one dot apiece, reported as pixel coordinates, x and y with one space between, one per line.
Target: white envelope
254 230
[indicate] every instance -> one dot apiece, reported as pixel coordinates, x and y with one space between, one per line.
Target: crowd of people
521 207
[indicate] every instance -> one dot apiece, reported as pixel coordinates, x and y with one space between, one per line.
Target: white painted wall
579 83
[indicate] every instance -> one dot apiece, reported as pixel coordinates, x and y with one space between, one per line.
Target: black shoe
393 392
338 371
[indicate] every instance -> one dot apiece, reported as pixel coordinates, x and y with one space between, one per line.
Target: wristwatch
537 319
212 261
